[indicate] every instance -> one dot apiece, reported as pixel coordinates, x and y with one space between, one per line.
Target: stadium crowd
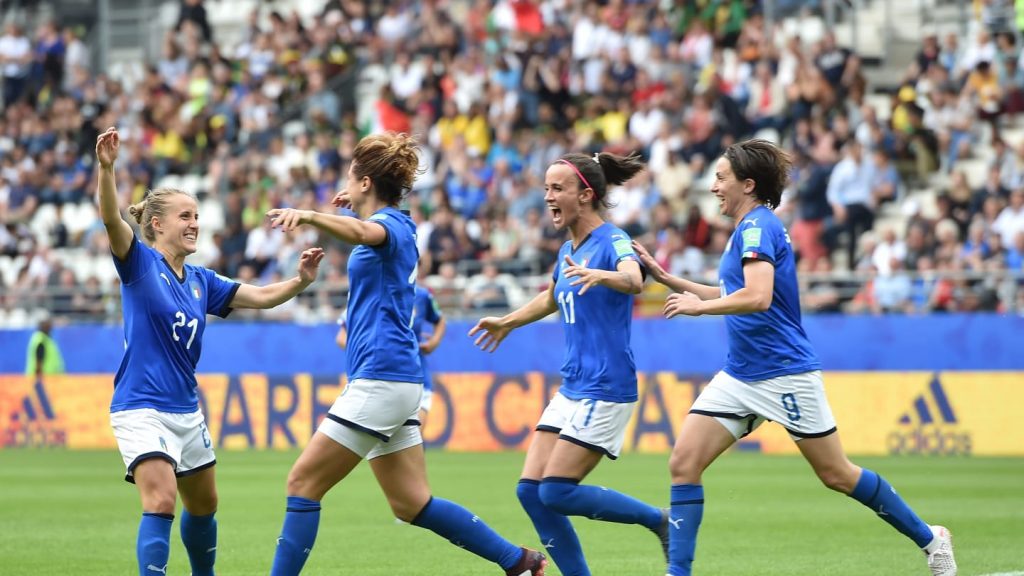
496 90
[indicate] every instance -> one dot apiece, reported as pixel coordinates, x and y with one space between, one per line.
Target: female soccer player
375 416
155 410
425 310
771 373
595 277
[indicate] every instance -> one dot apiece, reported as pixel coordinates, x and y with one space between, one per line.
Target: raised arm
495 329
107 146
677 284
263 297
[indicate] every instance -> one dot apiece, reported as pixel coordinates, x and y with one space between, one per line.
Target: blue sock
460 527
153 546
301 520
687 511
874 492
566 496
199 534
555 531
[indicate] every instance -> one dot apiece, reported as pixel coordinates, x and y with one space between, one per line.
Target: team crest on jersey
197 292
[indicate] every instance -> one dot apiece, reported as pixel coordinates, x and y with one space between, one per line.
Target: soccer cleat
531 563
940 557
662 531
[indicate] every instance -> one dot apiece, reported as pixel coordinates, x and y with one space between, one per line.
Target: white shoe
940 553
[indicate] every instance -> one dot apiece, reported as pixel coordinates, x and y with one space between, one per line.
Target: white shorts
181 439
426 400
375 417
594 424
797 401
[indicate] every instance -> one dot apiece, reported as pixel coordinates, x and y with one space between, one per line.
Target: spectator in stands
1011 219
15 60
850 196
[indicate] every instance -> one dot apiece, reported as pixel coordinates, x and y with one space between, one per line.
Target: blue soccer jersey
599 362
426 314
164 320
772 343
382 281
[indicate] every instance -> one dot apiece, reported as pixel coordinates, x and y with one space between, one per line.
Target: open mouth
190 236
556 213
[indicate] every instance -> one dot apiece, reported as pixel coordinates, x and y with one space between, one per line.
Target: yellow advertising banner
897 413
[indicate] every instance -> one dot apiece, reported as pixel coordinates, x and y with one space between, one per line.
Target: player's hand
107 146
587 277
648 261
492 332
686 303
309 264
342 199
427 347
289 219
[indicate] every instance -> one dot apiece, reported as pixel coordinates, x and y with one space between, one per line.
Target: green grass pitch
70 513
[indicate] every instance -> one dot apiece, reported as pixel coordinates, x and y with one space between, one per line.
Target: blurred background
907 193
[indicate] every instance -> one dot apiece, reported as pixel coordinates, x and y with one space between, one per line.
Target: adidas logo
33 422
923 406
930 426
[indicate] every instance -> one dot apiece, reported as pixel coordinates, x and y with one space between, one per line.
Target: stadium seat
10 267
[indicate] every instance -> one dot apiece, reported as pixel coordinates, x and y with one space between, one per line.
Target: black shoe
531 563
662 531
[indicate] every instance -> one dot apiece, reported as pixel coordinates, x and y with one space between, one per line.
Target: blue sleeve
622 248
390 245
433 314
220 292
759 242
135 264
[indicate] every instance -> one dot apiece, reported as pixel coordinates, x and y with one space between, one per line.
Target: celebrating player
771 372
155 412
375 417
595 278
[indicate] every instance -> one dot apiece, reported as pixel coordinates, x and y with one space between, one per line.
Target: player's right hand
107 146
492 332
341 199
648 261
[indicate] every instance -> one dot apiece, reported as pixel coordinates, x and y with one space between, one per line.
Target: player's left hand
588 277
686 303
426 347
288 219
309 263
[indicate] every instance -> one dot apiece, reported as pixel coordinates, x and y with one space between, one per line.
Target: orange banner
955 413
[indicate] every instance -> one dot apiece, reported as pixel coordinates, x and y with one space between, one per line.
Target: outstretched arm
677 284
755 296
120 233
494 330
626 277
263 297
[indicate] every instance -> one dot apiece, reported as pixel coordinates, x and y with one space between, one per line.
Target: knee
684 468
839 478
206 504
299 485
406 509
159 502
556 494
528 492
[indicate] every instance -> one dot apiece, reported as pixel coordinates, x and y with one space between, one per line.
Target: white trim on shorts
183 440
596 425
743 406
375 417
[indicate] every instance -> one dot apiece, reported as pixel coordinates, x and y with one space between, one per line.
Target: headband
577 171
